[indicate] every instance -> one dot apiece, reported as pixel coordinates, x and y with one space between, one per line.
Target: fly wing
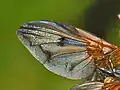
60 48
89 86
112 85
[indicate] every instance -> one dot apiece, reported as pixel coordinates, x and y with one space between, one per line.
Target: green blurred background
18 69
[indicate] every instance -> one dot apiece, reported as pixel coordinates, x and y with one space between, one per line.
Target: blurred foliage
18 69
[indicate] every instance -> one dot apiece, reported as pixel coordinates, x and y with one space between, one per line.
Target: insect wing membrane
88 86
58 47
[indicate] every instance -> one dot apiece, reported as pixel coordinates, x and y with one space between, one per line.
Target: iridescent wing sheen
60 48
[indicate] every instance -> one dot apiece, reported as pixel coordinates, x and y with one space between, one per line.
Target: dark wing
60 48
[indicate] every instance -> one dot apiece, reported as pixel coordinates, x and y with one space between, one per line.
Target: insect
109 83
72 53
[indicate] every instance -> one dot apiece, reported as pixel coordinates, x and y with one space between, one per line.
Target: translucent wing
60 48
112 85
89 86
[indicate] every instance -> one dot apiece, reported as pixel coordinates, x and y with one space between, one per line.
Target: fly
72 53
